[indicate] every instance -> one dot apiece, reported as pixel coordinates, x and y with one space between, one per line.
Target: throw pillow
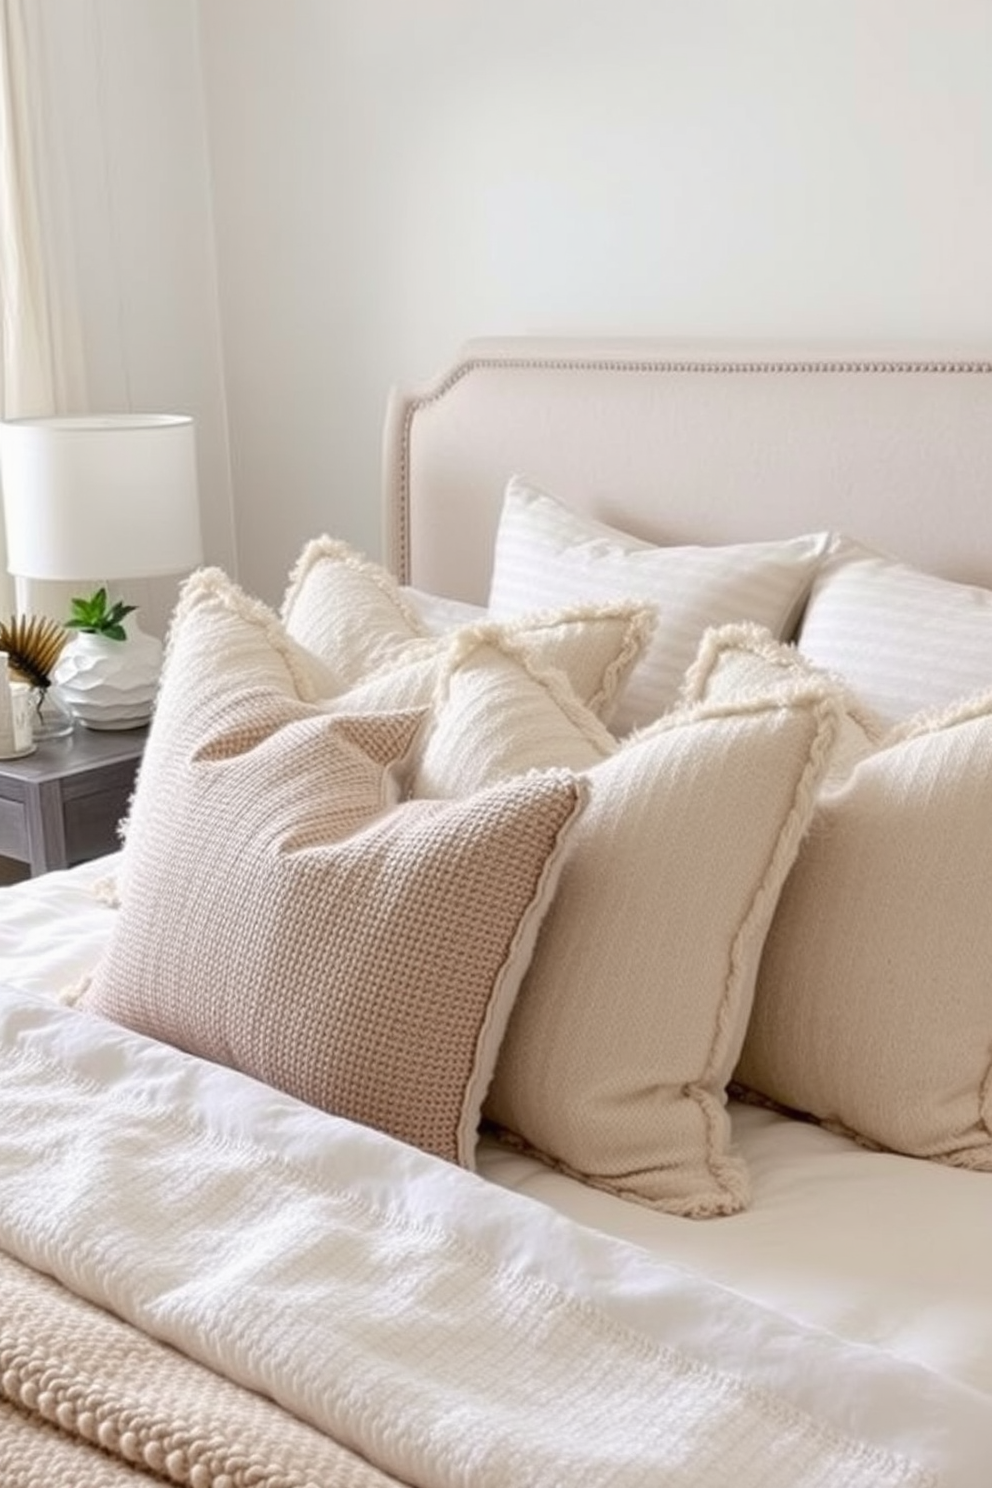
353 617
872 1010
288 915
632 1014
904 640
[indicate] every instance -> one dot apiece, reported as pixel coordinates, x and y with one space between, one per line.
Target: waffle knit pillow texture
361 627
543 548
286 915
633 1012
872 1010
904 640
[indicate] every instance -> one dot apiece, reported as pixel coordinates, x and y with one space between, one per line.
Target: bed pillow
632 1014
543 548
287 915
353 618
904 640
872 1009
437 613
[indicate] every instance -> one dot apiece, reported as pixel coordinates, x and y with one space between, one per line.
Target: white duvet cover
852 1298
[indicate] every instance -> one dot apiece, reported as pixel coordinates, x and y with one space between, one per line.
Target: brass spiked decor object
33 644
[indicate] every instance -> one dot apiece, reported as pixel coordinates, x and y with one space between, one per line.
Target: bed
536 1029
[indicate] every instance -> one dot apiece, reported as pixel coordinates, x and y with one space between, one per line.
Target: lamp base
120 726
109 684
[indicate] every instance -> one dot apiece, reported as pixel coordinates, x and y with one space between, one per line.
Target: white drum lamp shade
100 497
97 500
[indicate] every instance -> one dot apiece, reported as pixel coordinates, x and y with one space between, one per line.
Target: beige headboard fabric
691 442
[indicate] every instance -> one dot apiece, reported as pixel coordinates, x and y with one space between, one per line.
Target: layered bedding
536 1028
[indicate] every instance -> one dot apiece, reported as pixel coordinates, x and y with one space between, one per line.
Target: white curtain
30 381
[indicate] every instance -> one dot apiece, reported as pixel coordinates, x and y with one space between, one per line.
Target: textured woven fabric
543 548
904 640
352 616
872 1009
89 1402
282 914
496 716
631 1017
452 1333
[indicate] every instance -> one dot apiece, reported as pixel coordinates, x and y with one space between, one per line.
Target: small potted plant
97 616
108 672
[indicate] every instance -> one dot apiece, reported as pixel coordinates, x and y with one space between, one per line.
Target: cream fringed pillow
353 617
872 1010
633 1012
284 915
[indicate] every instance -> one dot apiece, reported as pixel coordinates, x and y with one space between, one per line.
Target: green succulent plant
95 615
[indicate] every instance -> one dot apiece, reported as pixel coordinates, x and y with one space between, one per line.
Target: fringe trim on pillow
800 678
105 891
968 709
735 1194
827 716
212 586
512 642
71 995
326 549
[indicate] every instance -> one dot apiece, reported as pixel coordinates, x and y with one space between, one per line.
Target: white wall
384 179
391 178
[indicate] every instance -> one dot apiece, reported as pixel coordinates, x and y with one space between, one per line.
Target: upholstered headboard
691 442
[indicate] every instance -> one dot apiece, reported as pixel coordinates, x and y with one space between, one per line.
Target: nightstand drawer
62 804
13 831
90 820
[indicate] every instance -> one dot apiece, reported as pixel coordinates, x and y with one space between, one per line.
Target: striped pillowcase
547 554
903 640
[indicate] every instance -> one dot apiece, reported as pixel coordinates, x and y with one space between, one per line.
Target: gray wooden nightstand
61 805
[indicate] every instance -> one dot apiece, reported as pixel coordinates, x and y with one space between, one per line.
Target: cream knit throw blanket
396 1303
84 1398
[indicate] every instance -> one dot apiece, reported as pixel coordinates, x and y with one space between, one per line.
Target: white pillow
904 640
544 549
631 1018
439 613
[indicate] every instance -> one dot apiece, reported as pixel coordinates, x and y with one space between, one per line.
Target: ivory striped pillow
543 548
905 641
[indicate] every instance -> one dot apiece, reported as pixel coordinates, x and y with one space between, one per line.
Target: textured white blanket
450 1332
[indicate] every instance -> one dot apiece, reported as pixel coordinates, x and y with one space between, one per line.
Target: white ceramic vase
109 684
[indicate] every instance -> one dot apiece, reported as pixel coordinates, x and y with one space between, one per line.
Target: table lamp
99 499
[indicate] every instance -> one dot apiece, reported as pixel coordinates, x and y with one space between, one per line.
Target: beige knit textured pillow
872 1009
284 915
353 617
633 1012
